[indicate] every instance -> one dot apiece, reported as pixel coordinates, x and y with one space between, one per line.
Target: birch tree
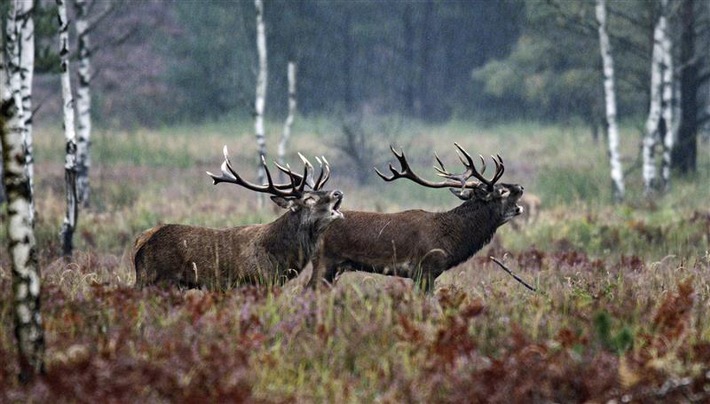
66 234
617 175
667 95
26 58
12 68
83 104
27 317
260 101
659 124
4 94
286 134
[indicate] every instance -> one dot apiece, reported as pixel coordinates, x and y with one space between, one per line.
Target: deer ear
283 202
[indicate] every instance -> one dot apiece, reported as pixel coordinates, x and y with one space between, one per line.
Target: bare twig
512 274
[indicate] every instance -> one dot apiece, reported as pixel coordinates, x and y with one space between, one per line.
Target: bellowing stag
415 243
218 259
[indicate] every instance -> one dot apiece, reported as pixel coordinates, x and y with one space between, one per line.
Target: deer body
415 243
195 257
219 259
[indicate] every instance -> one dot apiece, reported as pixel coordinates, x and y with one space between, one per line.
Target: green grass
621 307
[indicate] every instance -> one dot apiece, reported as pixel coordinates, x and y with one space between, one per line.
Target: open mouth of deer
336 206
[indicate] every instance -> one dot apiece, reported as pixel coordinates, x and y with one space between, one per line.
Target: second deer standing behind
218 259
419 244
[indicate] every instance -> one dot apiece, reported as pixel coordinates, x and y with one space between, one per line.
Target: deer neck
293 239
467 228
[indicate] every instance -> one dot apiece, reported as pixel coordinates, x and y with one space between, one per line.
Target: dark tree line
413 58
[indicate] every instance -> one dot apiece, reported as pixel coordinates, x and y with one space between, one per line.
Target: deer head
462 185
315 205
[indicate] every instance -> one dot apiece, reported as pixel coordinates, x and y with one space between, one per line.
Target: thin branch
517 278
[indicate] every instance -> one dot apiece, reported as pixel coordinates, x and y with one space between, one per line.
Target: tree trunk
260 102
21 245
286 134
26 37
4 93
653 122
83 104
686 150
617 175
667 131
66 234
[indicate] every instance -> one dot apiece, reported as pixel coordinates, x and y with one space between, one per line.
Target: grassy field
621 311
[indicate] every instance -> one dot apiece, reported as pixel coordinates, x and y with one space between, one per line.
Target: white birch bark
67 232
21 241
26 37
4 96
652 135
286 134
667 100
13 82
617 175
83 104
22 249
260 102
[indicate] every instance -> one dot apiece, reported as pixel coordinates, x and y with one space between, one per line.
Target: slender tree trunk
685 152
617 175
660 123
21 245
653 122
72 208
286 134
5 93
26 36
83 104
667 132
260 102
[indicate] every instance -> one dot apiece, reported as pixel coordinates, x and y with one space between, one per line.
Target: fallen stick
512 274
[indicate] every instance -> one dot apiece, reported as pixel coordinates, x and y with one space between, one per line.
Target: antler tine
500 168
306 178
324 173
441 170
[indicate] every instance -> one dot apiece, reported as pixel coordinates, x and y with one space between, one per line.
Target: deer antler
407 172
452 180
231 176
323 177
471 171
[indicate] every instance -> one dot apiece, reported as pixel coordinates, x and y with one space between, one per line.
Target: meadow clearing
621 311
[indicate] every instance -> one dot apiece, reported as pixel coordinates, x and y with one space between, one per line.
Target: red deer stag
415 243
218 259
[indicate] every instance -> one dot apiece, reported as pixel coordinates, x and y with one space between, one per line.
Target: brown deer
218 259
415 243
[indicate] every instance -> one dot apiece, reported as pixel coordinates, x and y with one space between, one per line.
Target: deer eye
310 201
504 192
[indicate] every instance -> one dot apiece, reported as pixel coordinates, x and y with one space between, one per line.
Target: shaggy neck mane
469 227
290 234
